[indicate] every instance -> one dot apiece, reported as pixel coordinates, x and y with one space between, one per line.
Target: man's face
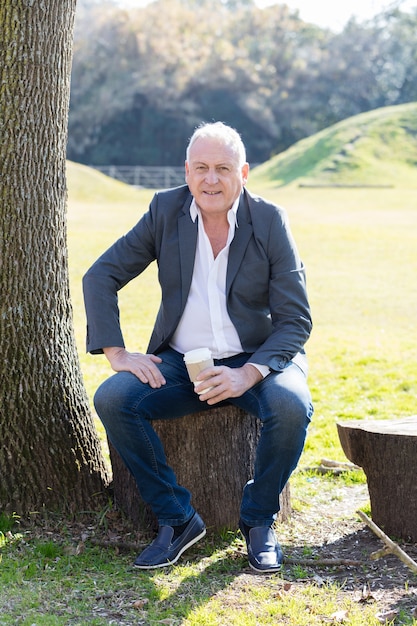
214 175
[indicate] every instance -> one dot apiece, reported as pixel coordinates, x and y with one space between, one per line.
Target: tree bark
387 452
212 454
50 456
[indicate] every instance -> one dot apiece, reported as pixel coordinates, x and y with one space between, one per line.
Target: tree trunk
212 454
387 452
50 454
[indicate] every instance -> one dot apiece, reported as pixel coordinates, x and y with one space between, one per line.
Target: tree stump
387 452
212 453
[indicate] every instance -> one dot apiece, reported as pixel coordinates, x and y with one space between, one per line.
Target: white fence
152 177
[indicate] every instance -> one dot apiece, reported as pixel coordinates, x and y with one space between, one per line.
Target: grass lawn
359 247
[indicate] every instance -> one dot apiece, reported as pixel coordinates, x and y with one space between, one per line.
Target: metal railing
151 177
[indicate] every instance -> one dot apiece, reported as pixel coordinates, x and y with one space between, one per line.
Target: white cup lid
200 354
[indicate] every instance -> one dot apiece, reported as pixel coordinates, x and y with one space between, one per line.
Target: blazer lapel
243 233
187 233
187 240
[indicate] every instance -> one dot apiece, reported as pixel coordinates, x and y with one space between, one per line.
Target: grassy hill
86 184
374 148
378 148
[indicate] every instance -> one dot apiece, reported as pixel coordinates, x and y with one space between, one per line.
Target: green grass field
359 247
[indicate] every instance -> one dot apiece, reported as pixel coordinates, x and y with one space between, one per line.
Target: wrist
253 373
113 351
263 369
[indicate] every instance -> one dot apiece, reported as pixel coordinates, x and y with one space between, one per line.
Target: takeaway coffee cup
196 361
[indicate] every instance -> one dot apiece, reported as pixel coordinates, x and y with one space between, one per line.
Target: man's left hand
227 382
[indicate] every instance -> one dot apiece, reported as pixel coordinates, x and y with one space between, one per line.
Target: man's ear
245 173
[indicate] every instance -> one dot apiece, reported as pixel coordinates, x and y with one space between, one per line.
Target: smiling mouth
212 193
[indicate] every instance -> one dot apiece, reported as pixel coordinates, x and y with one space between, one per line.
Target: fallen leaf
366 595
139 604
318 580
74 550
388 616
339 617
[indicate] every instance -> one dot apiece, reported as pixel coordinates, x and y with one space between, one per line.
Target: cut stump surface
387 452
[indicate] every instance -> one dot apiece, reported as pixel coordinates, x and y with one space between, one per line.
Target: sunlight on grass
276 603
358 246
359 250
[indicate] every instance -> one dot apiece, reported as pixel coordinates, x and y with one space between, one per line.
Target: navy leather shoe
264 552
165 550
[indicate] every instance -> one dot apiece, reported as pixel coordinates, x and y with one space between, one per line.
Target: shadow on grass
385 582
201 578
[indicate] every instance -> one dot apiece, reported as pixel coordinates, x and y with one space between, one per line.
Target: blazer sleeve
268 299
154 238
124 260
290 313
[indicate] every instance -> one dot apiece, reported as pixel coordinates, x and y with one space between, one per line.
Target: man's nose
211 177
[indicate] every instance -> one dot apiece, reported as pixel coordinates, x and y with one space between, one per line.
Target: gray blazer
265 285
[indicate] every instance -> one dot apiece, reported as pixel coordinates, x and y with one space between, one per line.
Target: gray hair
226 134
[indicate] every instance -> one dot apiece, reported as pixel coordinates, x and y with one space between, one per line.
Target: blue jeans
282 402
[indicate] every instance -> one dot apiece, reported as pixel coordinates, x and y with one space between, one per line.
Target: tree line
142 79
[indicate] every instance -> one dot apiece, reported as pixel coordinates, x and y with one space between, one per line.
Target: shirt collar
231 214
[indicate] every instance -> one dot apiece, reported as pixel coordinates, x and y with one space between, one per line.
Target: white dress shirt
205 322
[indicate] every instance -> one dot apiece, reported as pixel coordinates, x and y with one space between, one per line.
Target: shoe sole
271 570
183 549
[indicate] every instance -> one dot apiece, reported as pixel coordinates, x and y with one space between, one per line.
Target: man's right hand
141 365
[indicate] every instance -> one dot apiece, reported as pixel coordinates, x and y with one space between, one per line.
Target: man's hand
141 365
227 382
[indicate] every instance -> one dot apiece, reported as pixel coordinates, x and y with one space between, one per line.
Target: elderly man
232 281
